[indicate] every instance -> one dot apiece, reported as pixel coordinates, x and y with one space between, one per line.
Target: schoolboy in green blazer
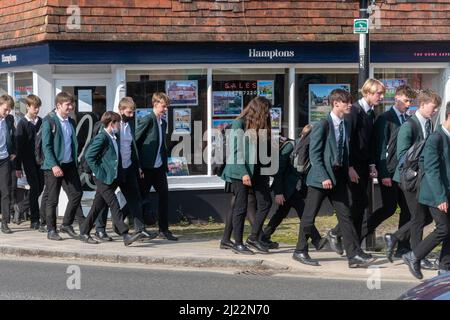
128 176
434 193
59 146
102 157
151 143
386 130
328 178
415 129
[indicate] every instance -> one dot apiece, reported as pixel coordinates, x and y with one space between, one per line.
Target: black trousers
104 197
35 178
158 179
5 189
440 234
359 200
71 184
339 198
42 211
390 197
296 201
251 215
261 190
420 217
128 183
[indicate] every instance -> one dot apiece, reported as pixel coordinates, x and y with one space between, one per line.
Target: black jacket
362 151
25 142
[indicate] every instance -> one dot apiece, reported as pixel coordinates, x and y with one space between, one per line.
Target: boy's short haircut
33 100
63 97
160 96
340 95
127 102
427 96
371 86
6 98
405 90
108 117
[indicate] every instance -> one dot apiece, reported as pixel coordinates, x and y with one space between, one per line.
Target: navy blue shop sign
75 52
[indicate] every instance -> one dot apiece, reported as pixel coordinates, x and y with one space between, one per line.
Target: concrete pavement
194 253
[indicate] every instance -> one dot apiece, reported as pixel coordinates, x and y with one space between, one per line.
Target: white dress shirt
158 161
399 114
3 147
423 121
126 140
336 123
32 121
67 133
114 141
365 105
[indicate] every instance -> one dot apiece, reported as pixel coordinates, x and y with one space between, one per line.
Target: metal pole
364 69
364 47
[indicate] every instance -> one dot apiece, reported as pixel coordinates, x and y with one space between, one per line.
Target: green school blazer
434 186
134 152
53 143
103 167
286 178
407 136
147 141
323 152
238 162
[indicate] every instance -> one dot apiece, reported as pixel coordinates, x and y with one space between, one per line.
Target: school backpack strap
410 171
83 163
38 151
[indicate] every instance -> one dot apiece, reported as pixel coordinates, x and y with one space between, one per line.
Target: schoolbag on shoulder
84 167
410 173
300 155
219 152
38 151
391 151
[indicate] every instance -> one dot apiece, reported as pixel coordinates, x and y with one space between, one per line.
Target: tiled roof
25 22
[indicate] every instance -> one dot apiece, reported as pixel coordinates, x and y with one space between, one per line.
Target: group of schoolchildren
118 155
337 158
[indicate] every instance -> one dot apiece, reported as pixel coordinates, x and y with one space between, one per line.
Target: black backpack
391 157
410 171
219 152
38 152
300 155
84 167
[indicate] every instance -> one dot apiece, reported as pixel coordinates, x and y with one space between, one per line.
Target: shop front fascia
113 70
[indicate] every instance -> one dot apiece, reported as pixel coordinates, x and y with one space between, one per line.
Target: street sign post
361 26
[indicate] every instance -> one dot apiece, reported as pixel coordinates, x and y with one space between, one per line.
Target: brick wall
30 21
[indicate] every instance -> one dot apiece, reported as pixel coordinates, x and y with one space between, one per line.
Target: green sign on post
361 26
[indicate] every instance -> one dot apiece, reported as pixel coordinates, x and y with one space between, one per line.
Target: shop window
3 83
234 88
90 104
312 94
418 79
23 86
186 117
